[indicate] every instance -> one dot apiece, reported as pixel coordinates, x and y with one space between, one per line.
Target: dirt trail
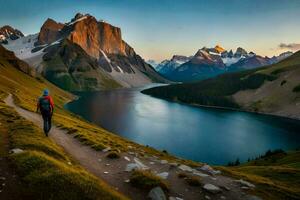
112 171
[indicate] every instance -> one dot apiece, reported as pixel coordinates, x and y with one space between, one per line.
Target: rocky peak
240 52
50 32
7 32
77 16
219 49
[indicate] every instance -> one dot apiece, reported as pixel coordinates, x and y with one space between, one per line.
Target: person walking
46 107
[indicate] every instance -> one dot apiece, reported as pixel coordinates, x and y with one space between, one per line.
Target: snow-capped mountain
209 62
8 33
84 54
153 63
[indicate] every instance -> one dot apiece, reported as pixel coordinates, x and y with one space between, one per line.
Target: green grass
276 176
145 179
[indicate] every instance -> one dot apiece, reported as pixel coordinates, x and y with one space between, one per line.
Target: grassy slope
276 176
44 166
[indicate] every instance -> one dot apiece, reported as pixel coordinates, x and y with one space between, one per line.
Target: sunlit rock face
50 32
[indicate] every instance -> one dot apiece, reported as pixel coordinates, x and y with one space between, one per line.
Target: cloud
290 46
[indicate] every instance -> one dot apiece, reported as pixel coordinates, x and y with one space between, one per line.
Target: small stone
252 197
129 147
107 164
245 183
151 163
174 164
207 197
105 172
175 198
157 194
127 181
213 178
0 191
126 158
245 188
225 188
16 151
99 160
163 175
131 153
185 168
209 169
163 161
211 188
69 163
131 166
106 149
2 178
200 174
222 197
3 184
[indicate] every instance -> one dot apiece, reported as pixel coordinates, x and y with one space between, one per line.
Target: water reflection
202 134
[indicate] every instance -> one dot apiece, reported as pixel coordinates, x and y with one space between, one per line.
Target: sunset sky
158 29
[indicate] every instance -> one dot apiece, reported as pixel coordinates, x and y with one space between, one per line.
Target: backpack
44 104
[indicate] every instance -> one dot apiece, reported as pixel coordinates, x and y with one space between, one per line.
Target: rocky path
116 172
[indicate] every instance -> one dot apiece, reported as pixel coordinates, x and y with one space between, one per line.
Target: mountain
166 67
153 63
273 89
11 59
9 33
210 62
84 54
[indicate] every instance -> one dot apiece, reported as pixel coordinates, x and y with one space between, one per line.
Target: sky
158 29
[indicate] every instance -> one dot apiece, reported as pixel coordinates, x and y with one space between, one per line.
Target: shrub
283 82
182 175
145 179
297 88
193 181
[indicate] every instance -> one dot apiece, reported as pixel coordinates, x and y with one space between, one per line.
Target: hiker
45 105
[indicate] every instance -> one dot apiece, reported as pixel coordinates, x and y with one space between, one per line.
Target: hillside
273 89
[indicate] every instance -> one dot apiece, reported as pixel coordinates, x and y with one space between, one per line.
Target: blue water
207 135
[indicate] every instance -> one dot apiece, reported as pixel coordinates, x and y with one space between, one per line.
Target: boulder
245 183
163 175
16 151
211 188
185 168
157 194
209 169
200 174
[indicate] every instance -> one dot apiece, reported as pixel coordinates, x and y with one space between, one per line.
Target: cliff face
103 43
50 32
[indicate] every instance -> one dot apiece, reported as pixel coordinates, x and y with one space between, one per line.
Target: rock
16 151
245 183
222 197
209 169
106 149
99 160
213 178
245 188
175 198
225 188
151 163
140 164
131 166
200 174
252 197
163 175
131 153
2 178
107 164
126 158
207 197
105 172
211 188
157 194
174 164
185 168
163 161
127 181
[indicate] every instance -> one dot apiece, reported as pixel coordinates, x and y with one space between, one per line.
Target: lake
214 136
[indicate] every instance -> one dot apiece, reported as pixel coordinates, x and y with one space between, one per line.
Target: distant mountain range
273 89
210 62
83 54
